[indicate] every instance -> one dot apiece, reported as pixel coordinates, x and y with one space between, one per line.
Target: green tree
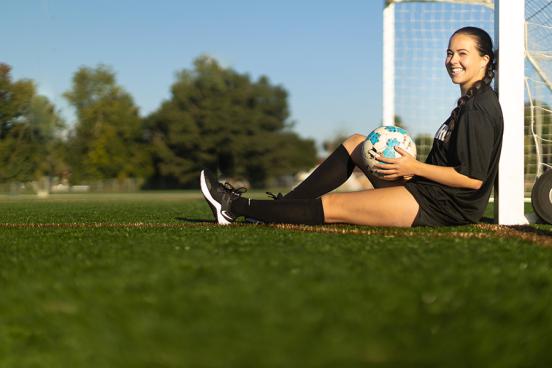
399 122
46 126
29 131
107 141
424 142
220 119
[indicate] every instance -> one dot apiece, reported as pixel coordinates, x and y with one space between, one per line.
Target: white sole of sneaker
220 219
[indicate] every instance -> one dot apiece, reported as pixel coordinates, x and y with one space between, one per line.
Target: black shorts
429 213
423 219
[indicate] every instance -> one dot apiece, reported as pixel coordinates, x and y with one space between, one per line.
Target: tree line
215 118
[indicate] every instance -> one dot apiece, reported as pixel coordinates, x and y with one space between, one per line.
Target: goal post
509 40
389 64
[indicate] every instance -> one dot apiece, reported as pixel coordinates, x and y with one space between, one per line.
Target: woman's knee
353 142
335 210
328 206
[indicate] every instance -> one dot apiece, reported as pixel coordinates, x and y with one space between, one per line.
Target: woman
451 188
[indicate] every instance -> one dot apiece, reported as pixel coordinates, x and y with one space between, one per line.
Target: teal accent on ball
389 151
394 129
392 142
373 137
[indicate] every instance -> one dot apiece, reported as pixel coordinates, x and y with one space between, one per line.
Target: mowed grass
142 280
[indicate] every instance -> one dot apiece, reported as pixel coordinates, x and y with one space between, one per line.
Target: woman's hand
397 168
407 166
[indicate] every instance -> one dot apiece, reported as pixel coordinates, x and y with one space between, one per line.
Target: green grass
141 281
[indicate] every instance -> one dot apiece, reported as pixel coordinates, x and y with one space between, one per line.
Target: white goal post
509 31
509 40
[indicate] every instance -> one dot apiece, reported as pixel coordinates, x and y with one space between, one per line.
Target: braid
484 44
489 73
454 114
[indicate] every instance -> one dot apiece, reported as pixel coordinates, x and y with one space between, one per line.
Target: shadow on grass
532 230
487 220
193 220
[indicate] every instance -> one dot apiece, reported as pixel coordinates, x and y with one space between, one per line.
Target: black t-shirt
473 150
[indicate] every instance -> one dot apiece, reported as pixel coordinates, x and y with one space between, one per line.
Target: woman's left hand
395 168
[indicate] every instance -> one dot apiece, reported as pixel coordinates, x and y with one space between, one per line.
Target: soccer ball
382 141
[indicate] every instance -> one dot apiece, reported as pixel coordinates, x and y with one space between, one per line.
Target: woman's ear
484 61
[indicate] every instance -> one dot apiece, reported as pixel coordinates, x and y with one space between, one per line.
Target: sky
326 54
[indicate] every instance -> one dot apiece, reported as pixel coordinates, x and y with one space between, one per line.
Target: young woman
452 187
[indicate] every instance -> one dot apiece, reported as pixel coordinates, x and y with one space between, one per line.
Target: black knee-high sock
283 211
331 173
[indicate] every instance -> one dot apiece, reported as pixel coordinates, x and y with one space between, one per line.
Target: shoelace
275 196
236 191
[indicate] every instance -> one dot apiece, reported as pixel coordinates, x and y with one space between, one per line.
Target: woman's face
464 64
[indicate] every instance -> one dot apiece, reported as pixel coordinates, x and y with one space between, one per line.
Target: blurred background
127 95
123 96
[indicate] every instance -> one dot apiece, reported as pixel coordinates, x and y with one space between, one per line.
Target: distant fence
53 185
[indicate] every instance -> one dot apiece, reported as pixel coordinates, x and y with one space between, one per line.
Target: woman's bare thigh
393 206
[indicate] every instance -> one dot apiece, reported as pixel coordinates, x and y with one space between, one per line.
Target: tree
399 122
46 126
29 131
424 142
107 141
220 119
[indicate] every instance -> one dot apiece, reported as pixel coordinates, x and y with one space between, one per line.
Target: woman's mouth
455 71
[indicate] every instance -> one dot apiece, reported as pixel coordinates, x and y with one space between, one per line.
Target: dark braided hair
484 46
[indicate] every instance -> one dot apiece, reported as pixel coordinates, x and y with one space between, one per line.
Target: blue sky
326 54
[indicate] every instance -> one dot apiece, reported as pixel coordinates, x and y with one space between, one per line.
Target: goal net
538 88
418 93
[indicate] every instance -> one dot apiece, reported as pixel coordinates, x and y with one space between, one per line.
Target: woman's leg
393 206
331 173
336 169
379 207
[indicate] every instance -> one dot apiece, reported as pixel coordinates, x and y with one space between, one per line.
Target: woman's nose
453 58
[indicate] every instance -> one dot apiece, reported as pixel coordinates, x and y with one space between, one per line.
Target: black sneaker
219 197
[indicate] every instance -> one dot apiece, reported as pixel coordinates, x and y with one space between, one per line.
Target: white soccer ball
382 141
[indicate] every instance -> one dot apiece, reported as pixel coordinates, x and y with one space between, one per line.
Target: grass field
144 280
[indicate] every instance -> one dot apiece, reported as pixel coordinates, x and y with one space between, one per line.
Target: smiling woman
452 187
466 61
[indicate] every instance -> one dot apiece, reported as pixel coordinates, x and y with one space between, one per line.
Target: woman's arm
406 165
